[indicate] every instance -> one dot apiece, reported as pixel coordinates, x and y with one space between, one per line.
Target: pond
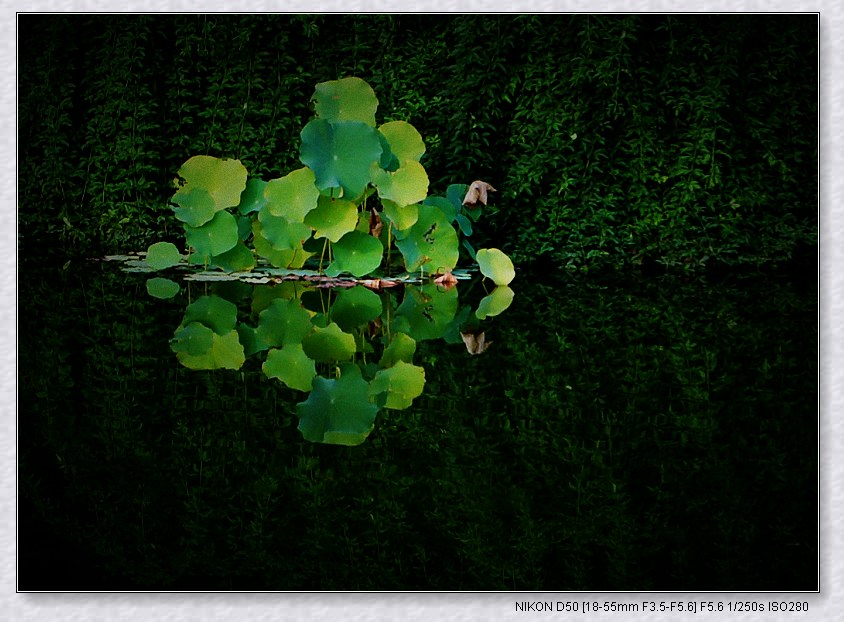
609 434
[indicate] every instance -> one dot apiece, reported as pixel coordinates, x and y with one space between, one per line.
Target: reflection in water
630 435
351 349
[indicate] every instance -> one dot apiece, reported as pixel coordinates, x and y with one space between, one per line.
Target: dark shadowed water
621 434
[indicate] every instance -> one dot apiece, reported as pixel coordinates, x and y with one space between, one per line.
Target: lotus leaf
329 344
426 312
293 195
340 154
252 343
444 205
401 348
495 303
162 255
290 365
196 206
333 218
354 307
220 180
405 141
281 233
283 322
495 265
253 198
217 314
162 288
338 411
402 383
214 237
403 217
198 347
347 99
193 338
356 253
237 259
290 258
431 242
408 184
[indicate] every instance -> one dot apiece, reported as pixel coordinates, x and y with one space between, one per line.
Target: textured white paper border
452 607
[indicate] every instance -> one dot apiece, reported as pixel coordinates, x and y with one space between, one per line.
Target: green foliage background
612 139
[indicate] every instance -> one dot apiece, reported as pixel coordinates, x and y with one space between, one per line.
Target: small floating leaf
495 303
495 265
162 255
162 288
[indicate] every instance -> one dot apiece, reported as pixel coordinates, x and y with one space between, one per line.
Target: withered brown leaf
447 280
476 343
375 224
477 192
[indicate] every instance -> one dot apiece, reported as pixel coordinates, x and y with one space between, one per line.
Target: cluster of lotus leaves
347 158
322 206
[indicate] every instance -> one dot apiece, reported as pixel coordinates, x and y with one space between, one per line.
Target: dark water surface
636 434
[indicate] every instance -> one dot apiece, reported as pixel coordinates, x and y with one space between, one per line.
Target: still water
608 434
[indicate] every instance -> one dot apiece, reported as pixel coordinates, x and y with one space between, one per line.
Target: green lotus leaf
403 217
293 195
495 303
402 383
162 288
464 223
252 199
214 237
222 179
340 154
388 160
196 206
495 265
455 194
333 218
213 312
347 99
290 258
227 351
426 311
405 141
444 205
354 307
408 184
197 347
192 339
237 259
357 253
329 344
162 255
252 343
283 322
401 348
431 242
290 365
338 411
281 233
